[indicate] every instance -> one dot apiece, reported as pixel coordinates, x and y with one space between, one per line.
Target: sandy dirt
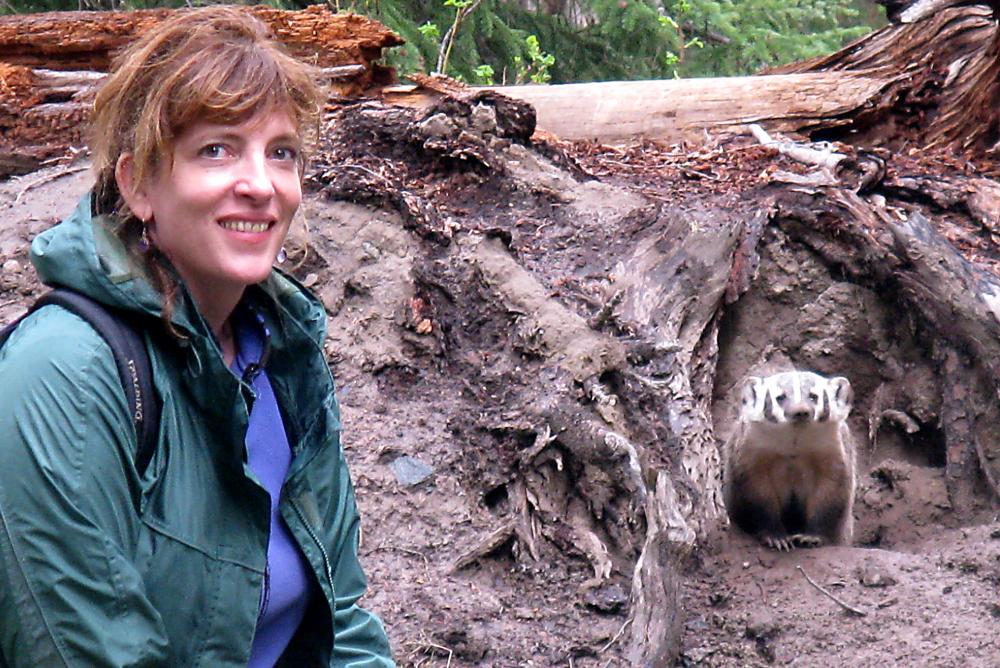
916 590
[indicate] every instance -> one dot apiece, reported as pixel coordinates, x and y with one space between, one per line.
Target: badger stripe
769 407
824 404
796 388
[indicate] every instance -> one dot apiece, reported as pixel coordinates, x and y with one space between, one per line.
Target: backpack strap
131 359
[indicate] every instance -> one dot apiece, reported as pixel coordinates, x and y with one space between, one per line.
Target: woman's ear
133 193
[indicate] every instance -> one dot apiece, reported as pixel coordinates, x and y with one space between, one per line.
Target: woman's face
220 211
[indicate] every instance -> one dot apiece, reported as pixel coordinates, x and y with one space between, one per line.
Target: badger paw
806 540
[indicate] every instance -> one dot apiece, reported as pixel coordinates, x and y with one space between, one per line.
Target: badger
789 464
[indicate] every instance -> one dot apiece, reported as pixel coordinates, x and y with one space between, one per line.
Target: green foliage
509 41
535 67
742 36
429 30
484 74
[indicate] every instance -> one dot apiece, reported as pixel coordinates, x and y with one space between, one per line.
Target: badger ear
750 395
749 387
841 393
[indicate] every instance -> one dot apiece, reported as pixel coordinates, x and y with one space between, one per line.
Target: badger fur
790 462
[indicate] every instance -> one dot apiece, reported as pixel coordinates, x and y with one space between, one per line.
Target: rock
438 125
11 267
762 626
608 599
484 118
871 574
410 471
370 250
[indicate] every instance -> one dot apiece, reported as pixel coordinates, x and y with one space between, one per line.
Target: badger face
796 397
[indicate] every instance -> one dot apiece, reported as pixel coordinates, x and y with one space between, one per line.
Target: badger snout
801 412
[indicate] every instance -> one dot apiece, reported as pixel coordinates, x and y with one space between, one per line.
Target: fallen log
51 64
674 109
88 40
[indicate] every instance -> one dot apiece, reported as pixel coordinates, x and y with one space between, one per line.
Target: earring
282 255
144 238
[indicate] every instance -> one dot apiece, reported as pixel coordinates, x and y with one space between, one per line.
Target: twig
48 178
340 72
845 606
425 645
369 171
486 546
797 152
618 635
9 302
397 548
444 54
451 653
690 171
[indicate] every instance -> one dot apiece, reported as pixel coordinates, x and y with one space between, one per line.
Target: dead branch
845 606
486 547
804 154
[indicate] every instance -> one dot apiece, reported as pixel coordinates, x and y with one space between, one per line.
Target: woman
238 544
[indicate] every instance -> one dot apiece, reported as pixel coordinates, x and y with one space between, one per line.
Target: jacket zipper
322 551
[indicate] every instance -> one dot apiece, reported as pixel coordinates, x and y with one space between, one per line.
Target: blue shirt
286 581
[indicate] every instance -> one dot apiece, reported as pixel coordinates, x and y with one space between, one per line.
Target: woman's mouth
245 226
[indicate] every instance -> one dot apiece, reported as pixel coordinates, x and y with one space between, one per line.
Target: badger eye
781 399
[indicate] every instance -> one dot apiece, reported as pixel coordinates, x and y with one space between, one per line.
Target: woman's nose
254 179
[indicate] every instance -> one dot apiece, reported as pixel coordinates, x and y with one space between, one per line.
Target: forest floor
917 590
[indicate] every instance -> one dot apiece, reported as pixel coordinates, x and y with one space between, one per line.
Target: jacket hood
83 253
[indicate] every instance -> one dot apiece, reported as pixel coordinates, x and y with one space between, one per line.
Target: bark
88 40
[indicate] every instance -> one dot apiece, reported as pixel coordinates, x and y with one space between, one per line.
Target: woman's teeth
245 226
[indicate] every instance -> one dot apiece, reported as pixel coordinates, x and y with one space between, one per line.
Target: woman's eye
286 153
213 151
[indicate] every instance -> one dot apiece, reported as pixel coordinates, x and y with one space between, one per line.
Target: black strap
131 359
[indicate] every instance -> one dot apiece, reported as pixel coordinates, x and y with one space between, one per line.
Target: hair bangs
235 85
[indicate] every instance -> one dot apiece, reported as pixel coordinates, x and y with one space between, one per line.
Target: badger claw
807 540
789 543
780 543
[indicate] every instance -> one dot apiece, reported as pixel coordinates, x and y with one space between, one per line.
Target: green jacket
102 567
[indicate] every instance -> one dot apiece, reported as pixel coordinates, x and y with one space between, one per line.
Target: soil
433 432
